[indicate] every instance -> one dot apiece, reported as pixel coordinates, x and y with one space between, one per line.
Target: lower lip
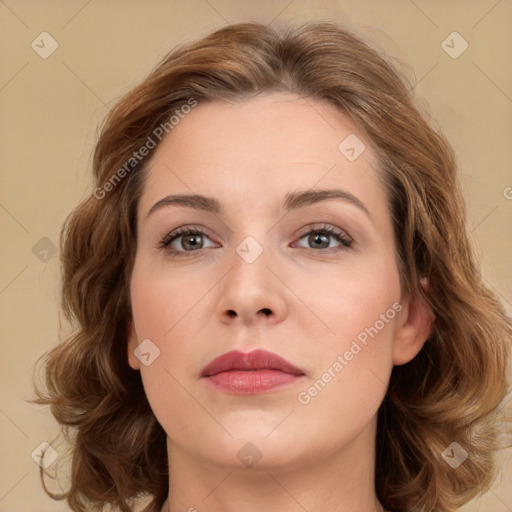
251 381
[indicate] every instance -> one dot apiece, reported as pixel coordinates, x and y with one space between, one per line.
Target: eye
190 239
184 240
319 238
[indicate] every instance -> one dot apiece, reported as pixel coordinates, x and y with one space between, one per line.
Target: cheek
353 361
354 303
352 375
166 303
343 405
165 310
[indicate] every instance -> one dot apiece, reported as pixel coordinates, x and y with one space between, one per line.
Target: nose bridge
251 290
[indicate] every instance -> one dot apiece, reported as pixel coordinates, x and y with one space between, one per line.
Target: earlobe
415 327
133 361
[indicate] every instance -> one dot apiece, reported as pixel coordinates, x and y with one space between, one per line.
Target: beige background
50 109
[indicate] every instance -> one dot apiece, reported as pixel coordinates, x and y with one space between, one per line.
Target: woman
276 302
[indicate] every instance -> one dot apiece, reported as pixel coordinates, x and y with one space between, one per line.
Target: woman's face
262 272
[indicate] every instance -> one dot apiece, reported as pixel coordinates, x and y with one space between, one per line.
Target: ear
415 326
133 361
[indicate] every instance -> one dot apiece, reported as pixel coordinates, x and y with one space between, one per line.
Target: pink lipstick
250 373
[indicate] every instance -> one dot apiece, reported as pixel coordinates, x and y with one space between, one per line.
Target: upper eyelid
182 231
316 226
325 227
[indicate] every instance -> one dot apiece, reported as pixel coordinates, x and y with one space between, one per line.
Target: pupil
317 238
192 241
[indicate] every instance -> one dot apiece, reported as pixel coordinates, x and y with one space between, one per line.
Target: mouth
255 372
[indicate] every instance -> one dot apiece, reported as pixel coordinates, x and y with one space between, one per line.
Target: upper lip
256 360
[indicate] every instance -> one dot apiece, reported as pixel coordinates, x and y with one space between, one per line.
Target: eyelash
164 243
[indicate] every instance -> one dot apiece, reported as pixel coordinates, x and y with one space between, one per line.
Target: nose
252 292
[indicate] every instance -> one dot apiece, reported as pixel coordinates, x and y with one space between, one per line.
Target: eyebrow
293 200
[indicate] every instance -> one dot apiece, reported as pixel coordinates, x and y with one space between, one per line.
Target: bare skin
316 449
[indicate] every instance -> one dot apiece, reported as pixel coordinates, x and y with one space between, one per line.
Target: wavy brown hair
452 391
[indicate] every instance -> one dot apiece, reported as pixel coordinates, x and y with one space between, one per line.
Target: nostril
266 311
231 313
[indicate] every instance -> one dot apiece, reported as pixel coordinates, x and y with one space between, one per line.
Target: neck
340 481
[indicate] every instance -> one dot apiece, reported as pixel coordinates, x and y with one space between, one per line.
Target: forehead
250 152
